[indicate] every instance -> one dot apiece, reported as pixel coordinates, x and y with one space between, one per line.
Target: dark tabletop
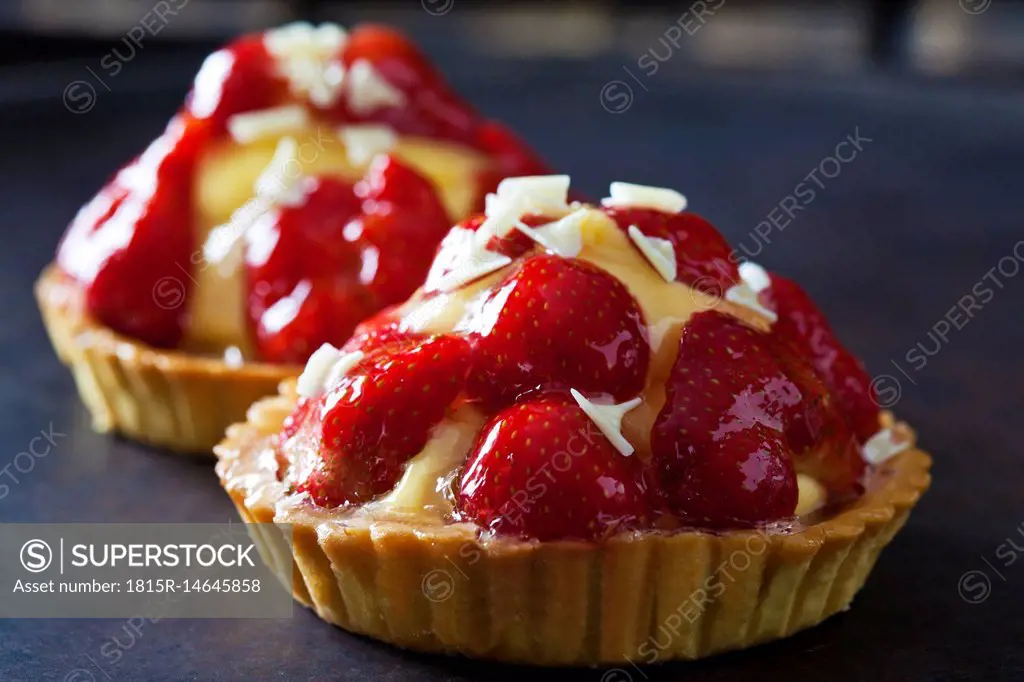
888 246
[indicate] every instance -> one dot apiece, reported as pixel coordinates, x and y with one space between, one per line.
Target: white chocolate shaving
309 59
756 277
256 125
363 142
368 91
278 183
608 418
325 367
319 365
564 236
644 196
659 252
883 446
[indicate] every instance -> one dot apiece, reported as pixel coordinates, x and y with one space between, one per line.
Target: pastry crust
164 398
639 597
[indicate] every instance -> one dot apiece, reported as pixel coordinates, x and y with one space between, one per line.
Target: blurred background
968 39
952 38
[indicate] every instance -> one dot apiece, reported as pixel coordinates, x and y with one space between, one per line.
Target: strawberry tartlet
304 185
589 437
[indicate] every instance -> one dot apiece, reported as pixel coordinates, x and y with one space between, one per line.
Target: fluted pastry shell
640 597
166 398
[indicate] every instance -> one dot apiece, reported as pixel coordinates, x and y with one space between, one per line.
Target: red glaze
401 224
802 324
541 469
316 270
739 410
301 274
558 323
291 243
818 435
131 247
702 254
314 313
747 480
380 415
294 421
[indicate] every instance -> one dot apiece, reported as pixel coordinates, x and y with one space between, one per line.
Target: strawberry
541 469
380 415
803 325
314 313
737 402
346 249
291 243
402 223
130 245
746 480
301 274
558 323
702 254
818 434
380 330
298 417
235 79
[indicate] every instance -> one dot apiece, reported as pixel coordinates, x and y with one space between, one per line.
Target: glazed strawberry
235 79
131 245
345 249
403 222
316 312
541 469
746 480
380 330
292 243
725 378
459 248
817 434
558 323
802 324
380 415
702 254
837 463
738 403
298 266
294 421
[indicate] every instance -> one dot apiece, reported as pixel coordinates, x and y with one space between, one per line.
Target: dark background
735 118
